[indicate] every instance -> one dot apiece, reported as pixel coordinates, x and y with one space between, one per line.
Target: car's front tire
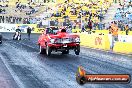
42 50
0 40
48 50
77 50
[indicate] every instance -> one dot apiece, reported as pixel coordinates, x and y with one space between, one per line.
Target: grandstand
124 15
77 12
21 9
82 11
23 13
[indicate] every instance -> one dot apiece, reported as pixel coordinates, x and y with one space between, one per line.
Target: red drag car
53 39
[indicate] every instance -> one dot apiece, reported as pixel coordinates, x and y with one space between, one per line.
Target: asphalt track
32 70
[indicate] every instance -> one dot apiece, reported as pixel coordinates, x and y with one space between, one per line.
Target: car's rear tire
48 50
77 53
65 52
0 42
77 50
0 39
42 50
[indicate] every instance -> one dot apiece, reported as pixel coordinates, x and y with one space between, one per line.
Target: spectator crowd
123 16
85 16
18 20
29 9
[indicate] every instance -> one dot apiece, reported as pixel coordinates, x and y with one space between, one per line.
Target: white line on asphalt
13 74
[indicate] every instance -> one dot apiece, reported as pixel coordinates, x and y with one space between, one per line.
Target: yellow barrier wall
123 47
76 30
39 30
60 1
95 41
102 31
124 33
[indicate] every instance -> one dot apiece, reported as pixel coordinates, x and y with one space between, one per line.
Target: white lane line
13 74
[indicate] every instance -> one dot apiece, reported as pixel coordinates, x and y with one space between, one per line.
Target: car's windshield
52 30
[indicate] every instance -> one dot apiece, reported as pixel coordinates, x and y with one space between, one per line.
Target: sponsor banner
95 41
101 42
7 27
39 30
125 38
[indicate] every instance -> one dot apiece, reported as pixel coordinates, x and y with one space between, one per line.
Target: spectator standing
107 25
17 20
83 27
126 29
74 25
100 26
29 32
0 19
68 30
90 26
3 19
114 32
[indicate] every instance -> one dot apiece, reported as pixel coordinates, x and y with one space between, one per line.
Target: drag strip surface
57 71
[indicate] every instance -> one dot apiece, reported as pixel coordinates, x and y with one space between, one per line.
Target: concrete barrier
12 27
102 31
123 47
23 27
95 41
7 27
